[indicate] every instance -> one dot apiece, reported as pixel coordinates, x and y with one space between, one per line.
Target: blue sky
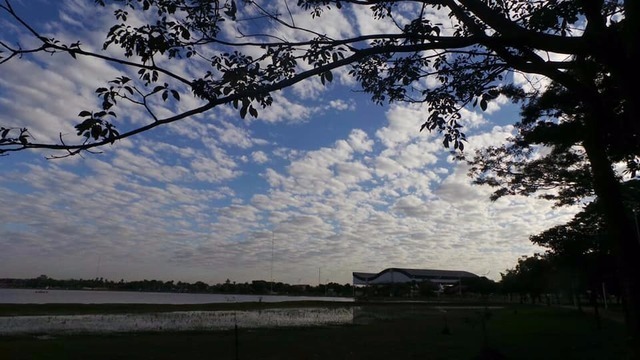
338 183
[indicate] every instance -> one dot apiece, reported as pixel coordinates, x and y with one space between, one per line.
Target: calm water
30 296
172 321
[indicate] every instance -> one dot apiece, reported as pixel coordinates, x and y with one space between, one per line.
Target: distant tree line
472 286
257 287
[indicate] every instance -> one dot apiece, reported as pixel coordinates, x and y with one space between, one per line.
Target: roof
417 274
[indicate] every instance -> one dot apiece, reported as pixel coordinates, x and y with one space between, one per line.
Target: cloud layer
213 197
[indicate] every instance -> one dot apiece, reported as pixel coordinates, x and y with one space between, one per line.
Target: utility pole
272 241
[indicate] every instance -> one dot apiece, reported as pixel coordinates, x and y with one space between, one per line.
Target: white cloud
285 110
210 170
231 134
530 82
342 105
359 141
260 157
182 200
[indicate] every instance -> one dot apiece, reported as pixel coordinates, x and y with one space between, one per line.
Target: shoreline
124 308
178 321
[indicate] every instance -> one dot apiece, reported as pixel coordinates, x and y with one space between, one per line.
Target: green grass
404 332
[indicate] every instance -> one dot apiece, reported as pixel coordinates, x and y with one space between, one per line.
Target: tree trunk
625 243
620 223
596 312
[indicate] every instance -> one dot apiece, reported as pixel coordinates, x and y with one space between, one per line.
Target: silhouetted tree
530 277
565 151
582 248
480 285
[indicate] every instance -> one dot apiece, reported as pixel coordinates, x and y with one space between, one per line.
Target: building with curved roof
400 276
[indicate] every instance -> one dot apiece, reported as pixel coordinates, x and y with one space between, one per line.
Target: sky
320 185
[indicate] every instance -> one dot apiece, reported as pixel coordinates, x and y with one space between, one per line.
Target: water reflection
30 296
174 321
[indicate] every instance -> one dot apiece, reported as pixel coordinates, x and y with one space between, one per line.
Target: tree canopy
449 54
578 257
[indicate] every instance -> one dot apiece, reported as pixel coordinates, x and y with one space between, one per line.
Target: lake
30 296
173 321
166 321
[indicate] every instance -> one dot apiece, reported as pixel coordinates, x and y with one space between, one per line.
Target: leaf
5 132
232 10
165 95
175 95
253 112
23 139
483 104
84 113
493 93
114 134
329 76
95 131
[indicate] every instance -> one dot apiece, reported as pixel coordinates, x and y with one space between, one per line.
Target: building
401 276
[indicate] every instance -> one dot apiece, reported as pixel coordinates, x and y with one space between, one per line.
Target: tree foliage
586 234
531 276
578 257
547 154
473 58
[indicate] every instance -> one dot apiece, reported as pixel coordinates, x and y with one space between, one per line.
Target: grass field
400 332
